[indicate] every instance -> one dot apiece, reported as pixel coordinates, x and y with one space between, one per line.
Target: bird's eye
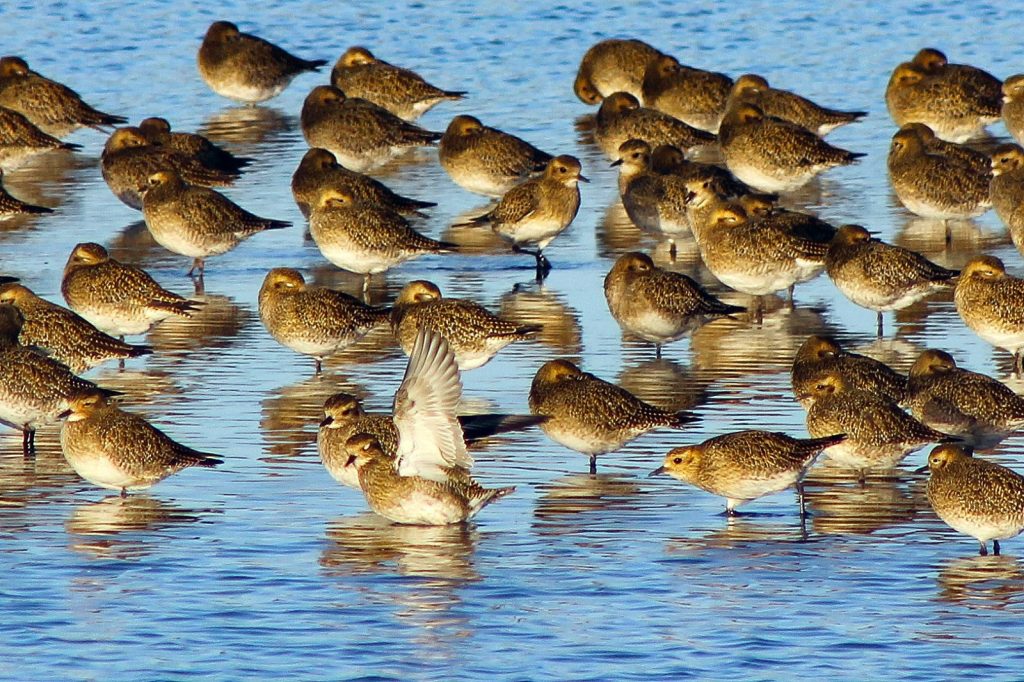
677 460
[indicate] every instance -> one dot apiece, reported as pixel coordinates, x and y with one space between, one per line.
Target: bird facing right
989 302
486 160
976 497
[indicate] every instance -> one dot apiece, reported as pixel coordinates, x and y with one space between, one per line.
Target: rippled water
267 568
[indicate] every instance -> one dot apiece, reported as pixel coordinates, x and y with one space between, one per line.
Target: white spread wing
429 434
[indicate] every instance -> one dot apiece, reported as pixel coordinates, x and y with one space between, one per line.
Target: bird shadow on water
125 528
982 582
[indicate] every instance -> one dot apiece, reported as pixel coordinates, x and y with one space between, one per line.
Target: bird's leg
28 441
949 232
197 267
800 500
672 250
789 299
983 551
317 365
657 351
758 310
366 288
124 492
878 328
731 513
199 285
995 547
593 465
1018 362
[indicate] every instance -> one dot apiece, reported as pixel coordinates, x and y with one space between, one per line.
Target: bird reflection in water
758 531
215 325
534 303
928 237
839 505
984 582
665 383
243 129
125 527
474 239
289 415
568 504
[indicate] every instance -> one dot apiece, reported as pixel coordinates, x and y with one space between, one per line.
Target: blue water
268 569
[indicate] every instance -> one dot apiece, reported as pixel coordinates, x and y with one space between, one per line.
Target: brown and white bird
789 106
610 66
621 118
21 140
247 68
694 96
989 302
819 356
486 160
158 131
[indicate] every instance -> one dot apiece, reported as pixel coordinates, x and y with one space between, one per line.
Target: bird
975 497
486 160
537 210
934 185
52 107
789 106
474 334
653 201
659 306
880 276
694 96
401 91
345 417
746 465
117 298
1013 106
590 415
957 101
621 118
878 433
129 159
360 134
11 207
20 140
364 238
977 161
118 450
314 321
319 170
1006 190
34 389
611 66
158 132
819 356
979 409
427 481
669 160
65 336
988 301
773 155
195 221
247 68
412 499
758 258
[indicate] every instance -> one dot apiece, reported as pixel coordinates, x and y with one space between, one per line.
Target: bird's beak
921 470
690 196
803 396
582 178
64 415
350 461
656 472
616 162
328 420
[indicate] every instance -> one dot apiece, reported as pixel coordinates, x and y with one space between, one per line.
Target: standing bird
364 238
158 131
989 303
247 68
119 450
65 336
1013 106
129 159
538 210
319 170
977 408
1007 190
52 107
936 185
590 415
658 305
819 356
957 101
752 89
878 433
197 222
746 465
975 497
119 299
313 321
486 160
360 134
474 334
427 481
34 389
694 96
653 201
610 66
11 207
775 155
880 276
621 118
402 92
20 140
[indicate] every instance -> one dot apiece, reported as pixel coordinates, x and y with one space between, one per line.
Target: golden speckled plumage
52 107
989 302
1013 106
694 96
11 207
20 140
621 118
819 356
610 66
401 91
789 106
1006 190
158 131
486 160
975 497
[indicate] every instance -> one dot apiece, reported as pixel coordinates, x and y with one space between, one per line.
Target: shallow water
268 568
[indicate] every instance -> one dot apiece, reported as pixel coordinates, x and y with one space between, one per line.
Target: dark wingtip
71 146
140 350
529 329
456 94
209 461
314 64
684 417
278 224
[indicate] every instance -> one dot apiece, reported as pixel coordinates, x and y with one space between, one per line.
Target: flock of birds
701 157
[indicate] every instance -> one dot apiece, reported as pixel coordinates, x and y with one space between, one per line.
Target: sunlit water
268 569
